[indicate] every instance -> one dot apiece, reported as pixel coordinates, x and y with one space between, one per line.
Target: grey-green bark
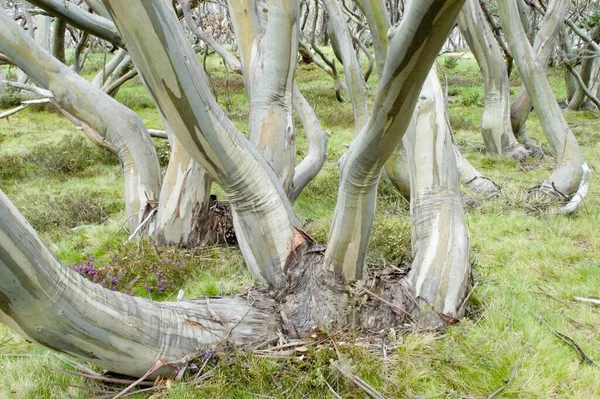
52 305
495 122
342 41
543 46
440 271
566 177
412 49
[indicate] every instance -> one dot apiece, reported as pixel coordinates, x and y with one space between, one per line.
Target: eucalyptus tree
570 177
309 284
496 127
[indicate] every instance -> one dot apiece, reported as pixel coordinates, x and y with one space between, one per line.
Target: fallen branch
372 392
565 338
587 300
508 381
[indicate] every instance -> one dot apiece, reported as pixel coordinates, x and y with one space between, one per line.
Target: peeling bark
440 271
412 48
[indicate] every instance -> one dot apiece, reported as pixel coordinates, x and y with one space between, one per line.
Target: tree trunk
58 39
589 71
342 41
123 128
184 215
566 177
270 84
495 122
378 19
440 271
412 49
543 46
50 304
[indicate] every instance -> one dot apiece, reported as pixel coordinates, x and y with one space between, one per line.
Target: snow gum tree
308 284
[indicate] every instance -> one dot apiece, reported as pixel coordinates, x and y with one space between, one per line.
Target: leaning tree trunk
440 271
342 41
567 176
495 122
589 71
412 49
50 304
121 126
378 19
542 47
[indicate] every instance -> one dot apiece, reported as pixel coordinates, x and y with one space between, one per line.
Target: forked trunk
412 49
495 122
567 176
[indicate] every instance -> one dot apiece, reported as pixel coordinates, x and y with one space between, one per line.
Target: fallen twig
508 381
391 305
103 378
587 300
565 338
158 364
372 392
333 392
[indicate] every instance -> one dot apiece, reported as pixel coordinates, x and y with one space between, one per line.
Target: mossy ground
528 259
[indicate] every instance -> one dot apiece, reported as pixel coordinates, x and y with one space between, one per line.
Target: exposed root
518 152
483 185
578 198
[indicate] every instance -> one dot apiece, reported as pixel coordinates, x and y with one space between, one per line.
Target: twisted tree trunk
495 122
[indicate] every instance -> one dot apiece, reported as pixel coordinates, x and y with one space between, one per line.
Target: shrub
71 155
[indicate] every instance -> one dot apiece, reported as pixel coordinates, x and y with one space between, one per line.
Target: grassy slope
528 259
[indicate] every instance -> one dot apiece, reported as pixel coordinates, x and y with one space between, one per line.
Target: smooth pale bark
412 51
542 47
81 19
566 177
378 19
264 222
589 72
109 68
268 52
50 304
58 39
43 33
184 201
440 270
396 167
123 129
342 42
78 52
495 122
317 145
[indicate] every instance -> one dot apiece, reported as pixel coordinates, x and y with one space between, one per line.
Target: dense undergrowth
528 260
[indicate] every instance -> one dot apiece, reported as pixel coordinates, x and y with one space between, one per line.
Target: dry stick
391 305
372 392
587 300
508 381
565 338
333 392
103 378
158 364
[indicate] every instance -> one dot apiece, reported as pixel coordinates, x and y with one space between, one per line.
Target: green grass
528 259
